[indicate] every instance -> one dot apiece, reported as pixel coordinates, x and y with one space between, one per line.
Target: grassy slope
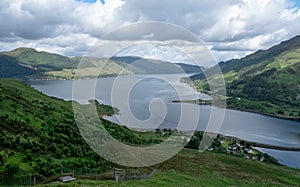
266 81
10 67
54 65
57 66
90 67
139 65
43 61
38 133
34 136
191 168
38 130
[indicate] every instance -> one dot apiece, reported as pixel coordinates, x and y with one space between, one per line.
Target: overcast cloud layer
230 28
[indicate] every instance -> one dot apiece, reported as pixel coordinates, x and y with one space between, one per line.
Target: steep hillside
267 81
50 65
192 168
42 61
187 68
90 67
261 56
10 67
38 134
149 66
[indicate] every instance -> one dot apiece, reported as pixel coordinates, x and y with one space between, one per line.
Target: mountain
188 68
28 62
11 68
267 81
42 61
150 66
263 56
38 134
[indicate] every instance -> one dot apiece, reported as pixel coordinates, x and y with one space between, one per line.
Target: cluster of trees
38 134
48 138
128 136
217 147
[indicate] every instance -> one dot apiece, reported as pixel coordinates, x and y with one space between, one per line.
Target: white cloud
172 51
71 45
231 28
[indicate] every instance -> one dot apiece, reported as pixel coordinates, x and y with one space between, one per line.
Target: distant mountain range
145 66
266 81
29 63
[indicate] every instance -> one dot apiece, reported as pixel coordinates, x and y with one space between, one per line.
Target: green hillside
89 67
266 81
11 68
191 168
140 65
50 65
30 63
42 61
39 137
39 134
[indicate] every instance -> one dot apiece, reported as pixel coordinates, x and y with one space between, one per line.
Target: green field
191 168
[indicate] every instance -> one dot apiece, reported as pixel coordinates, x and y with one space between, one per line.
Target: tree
1 160
27 156
248 145
242 142
281 112
11 170
194 143
216 144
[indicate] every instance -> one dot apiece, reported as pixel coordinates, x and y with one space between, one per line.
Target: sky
229 28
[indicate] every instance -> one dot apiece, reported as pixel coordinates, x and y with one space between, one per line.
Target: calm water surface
149 101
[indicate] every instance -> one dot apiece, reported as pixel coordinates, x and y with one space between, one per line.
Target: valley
40 137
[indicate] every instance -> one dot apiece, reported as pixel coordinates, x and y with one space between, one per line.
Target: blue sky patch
297 3
92 1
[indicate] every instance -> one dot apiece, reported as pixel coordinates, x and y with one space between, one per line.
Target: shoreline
233 107
268 146
262 145
208 102
263 113
254 144
198 101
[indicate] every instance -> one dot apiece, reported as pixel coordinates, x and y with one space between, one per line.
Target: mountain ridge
54 65
266 81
